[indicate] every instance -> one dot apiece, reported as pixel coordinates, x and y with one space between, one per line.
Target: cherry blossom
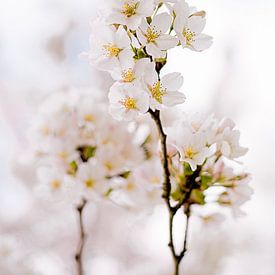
154 35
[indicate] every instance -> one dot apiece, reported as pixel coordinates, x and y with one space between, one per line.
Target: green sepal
187 169
149 20
197 197
72 168
86 152
206 181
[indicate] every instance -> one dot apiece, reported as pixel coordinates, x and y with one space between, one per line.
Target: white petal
172 81
126 59
134 22
151 76
173 98
182 9
154 51
141 66
179 24
196 24
116 111
166 42
122 39
202 42
143 102
107 64
115 18
162 22
146 7
225 149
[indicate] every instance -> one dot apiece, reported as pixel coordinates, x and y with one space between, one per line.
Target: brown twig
167 193
79 254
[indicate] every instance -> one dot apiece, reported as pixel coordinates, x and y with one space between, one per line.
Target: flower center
128 75
151 35
111 50
130 186
55 184
129 103
157 91
189 36
129 9
89 118
189 152
89 183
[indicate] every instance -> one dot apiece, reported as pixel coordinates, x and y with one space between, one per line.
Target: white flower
129 12
189 28
54 184
127 101
150 175
107 45
91 176
230 146
163 92
130 70
192 147
88 114
236 196
153 36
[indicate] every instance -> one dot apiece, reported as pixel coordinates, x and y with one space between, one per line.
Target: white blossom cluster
81 149
131 40
205 152
82 152
12 259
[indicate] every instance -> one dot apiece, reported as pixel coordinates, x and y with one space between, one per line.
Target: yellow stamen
189 152
109 165
45 131
55 184
128 75
89 118
155 180
157 91
189 36
129 103
89 183
129 9
130 186
63 155
151 35
111 50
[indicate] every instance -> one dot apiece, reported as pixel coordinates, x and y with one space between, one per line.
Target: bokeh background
40 46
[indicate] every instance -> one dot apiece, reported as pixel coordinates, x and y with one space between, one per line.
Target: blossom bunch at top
131 42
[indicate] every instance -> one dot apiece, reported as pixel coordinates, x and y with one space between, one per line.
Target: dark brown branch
167 193
79 254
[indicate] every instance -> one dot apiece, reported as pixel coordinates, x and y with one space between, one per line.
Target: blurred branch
78 256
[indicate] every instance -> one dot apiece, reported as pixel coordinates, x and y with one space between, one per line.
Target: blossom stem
166 195
79 253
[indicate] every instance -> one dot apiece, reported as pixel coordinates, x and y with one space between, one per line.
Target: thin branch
78 256
185 235
167 184
167 193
